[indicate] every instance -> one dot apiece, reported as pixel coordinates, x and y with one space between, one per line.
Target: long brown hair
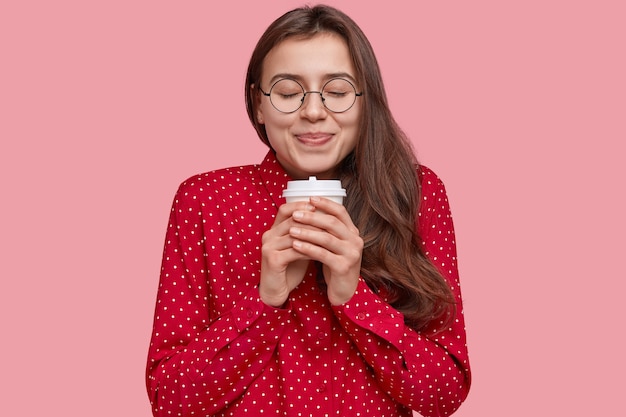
380 175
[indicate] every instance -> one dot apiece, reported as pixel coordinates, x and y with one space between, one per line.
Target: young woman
312 308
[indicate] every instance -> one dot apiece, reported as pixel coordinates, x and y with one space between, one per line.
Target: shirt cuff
252 310
368 311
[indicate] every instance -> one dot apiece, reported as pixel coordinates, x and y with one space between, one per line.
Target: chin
321 173
312 165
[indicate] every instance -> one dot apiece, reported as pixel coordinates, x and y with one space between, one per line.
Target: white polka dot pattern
218 350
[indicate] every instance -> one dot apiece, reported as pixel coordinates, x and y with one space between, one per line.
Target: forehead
311 59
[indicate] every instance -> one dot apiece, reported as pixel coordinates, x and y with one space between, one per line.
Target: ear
257 97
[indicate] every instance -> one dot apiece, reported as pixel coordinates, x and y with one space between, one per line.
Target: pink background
106 106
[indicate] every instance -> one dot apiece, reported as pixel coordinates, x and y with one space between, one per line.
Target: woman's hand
282 267
327 234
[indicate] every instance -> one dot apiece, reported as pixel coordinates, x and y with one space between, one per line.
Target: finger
284 219
322 246
331 207
326 222
315 252
317 238
276 240
286 210
279 260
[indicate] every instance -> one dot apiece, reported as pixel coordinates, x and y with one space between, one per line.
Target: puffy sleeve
198 364
427 371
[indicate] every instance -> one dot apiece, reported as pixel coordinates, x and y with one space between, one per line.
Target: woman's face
312 141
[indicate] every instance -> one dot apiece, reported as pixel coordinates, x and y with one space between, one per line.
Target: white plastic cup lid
314 187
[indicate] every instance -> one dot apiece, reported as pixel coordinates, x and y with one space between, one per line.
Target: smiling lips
314 139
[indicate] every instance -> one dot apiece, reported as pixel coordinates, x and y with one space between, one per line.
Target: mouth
314 138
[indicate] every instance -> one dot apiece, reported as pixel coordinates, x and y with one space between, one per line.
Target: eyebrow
301 79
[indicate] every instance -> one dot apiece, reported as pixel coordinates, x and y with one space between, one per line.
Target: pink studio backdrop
106 106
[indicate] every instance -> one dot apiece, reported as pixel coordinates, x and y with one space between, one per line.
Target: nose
313 108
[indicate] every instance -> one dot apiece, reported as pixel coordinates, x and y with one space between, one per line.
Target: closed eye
288 96
335 93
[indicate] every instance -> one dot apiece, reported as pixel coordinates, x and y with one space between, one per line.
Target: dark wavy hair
380 175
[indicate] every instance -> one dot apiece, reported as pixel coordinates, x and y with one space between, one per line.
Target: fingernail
298 214
315 199
295 231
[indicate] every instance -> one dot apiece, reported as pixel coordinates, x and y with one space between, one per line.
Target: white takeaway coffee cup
301 190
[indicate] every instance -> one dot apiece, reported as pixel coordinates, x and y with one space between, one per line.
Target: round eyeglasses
287 95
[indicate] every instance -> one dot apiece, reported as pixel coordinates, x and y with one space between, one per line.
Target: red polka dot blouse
218 350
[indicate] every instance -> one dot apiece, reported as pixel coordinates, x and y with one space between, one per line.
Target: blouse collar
274 178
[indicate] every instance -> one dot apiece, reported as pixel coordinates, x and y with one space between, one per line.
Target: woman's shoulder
428 178
221 179
433 194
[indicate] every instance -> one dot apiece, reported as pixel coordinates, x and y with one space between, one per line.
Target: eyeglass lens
287 95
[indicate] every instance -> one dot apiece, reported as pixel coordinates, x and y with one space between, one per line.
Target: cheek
352 128
352 118
275 121
351 122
